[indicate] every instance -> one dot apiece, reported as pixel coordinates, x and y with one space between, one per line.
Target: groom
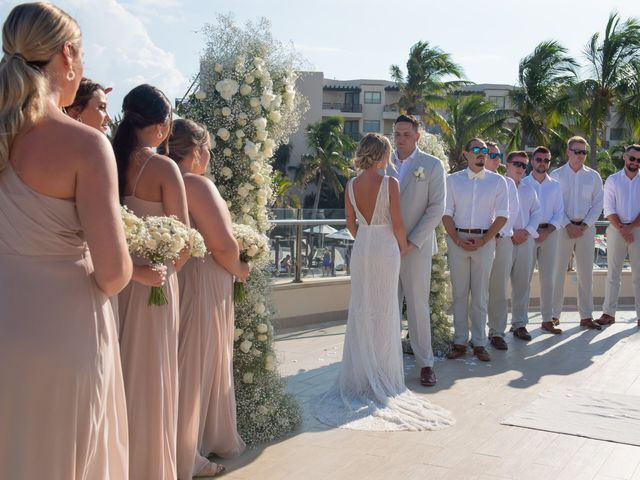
422 197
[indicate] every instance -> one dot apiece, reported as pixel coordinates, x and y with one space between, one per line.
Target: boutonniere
419 173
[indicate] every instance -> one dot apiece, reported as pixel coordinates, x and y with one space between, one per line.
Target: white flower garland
248 99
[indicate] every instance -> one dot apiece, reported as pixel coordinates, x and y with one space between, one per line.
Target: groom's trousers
498 308
414 287
470 272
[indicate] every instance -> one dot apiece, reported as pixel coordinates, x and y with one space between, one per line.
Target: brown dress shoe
457 351
589 323
522 334
482 354
606 320
498 343
548 327
427 377
555 321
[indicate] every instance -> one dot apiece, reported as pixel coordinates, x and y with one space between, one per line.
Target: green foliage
606 166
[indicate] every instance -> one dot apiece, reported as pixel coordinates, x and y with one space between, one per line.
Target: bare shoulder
394 183
84 147
165 167
199 186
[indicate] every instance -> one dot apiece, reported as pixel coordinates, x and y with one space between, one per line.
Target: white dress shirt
550 198
476 203
582 194
400 165
514 207
622 196
529 213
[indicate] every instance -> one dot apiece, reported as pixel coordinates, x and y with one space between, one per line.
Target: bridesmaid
62 403
207 408
90 105
150 184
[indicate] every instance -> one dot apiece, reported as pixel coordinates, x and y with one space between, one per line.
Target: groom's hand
410 247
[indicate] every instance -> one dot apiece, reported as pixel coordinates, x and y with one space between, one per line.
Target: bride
370 393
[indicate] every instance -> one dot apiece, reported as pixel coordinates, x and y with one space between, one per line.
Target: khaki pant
545 255
583 249
617 250
498 307
520 284
470 272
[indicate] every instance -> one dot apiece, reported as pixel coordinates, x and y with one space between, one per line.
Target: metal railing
343 107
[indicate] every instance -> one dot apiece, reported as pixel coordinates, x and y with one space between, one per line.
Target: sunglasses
483 150
493 156
578 152
519 164
633 159
542 160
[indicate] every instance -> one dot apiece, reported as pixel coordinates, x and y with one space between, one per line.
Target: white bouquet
254 247
198 247
166 238
135 231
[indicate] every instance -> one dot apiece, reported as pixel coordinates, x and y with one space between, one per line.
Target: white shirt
582 194
514 207
476 203
528 217
622 196
550 198
401 165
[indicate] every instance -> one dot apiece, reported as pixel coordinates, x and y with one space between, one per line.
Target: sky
129 42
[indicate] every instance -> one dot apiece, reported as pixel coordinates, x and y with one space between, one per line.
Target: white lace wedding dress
370 393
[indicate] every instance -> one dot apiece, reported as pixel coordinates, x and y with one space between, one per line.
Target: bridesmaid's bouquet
254 247
198 247
135 231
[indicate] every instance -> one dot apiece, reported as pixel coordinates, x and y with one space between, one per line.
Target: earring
71 75
159 134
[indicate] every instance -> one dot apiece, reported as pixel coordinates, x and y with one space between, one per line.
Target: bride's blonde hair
372 148
32 35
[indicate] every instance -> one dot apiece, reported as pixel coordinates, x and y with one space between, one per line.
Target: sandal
210 470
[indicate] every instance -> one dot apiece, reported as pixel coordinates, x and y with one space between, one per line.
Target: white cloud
118 50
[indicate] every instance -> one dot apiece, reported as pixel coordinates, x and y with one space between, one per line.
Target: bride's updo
372 148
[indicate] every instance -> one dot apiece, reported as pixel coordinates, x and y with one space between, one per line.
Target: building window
372 97
617 134
497 101
371 126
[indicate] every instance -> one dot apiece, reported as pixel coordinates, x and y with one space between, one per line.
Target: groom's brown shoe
427 377
457 351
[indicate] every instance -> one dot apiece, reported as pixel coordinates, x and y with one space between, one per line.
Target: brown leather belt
476 231
544 225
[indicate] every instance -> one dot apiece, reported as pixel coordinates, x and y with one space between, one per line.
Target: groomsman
525 230
498 306
622 209
582 195
477 207
422 196
551 216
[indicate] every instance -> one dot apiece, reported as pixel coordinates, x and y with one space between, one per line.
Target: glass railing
307 243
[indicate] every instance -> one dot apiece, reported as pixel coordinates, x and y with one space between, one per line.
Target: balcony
391 112
343 107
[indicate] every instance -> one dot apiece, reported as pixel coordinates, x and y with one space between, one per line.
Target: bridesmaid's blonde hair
372 148
186 136
32 35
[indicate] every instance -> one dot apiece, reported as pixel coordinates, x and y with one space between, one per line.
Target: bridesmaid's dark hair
186 135
143 106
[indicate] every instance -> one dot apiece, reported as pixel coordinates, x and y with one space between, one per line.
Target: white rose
240 133
261 202
254 102
259 179
277 102
248 220
261 327
275 116
245 90
255 352
266 98
262 338
242 192
243 116
255 166
226 152
252 251
218 68
226 172
226 111
251 149
237 333
227 88
201 95
229 203
246 208
224 134
261 135
246 346
151 244
247 377
270 363
260 123
249 79
238 144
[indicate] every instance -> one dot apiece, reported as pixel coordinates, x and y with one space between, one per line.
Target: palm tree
611 63
541 99
471 116
424 88
283 191
327 162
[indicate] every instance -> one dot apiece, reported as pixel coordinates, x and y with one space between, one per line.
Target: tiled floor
479 395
